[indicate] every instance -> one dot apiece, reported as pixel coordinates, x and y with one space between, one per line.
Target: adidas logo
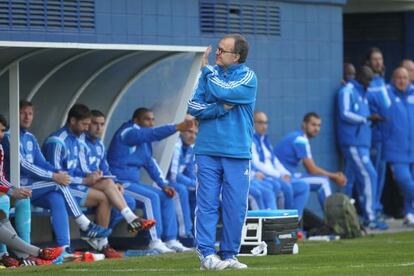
246 172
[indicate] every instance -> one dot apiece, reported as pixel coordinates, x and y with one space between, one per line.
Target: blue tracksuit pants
404 175
366 179
380 168
230 178
255 196
295 193
183 209
60 202
263 193
319 184
157 205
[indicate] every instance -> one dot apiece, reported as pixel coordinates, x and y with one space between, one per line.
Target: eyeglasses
220 50
261 122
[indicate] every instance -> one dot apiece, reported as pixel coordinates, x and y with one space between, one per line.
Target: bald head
401 79
349 72
260 122
364 75
408 64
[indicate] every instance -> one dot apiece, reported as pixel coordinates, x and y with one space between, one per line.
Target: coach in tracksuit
354 134
129 151
396 106
223 102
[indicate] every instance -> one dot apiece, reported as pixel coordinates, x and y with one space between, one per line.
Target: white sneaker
409 220
213 262
160 247
177 246
235 264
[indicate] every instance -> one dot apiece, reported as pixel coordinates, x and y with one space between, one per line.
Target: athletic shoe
140 224
50 253
213 262
95 231
34 261
10 262
177 246
409 220
160 247
235 264
377 225
111 253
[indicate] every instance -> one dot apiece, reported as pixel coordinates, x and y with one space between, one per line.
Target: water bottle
141 252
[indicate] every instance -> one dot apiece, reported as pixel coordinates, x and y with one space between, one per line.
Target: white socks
83 222
128 215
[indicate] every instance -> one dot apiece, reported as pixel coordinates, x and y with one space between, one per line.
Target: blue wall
298 71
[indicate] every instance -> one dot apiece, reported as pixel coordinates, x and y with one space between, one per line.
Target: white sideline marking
250 268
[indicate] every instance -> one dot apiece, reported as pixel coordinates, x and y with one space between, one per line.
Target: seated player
93 159
294 148
182 177
295 192
62 149
129 151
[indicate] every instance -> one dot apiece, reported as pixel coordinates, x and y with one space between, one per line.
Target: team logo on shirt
29 145
410 99
99 150
365 159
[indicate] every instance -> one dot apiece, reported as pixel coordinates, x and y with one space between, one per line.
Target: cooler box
277 228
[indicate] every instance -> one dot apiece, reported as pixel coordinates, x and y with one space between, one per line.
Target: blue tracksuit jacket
377 86
352 125
131 149
397 108
92 155
182 165
61 149
33 165
292 149
224 133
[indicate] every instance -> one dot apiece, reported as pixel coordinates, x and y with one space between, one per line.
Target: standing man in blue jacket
354 134
375 60
129 151
396 106
223 103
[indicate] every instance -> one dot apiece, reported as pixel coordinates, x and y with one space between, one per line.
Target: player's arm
345 108
312 168
135 135
154 171
200 109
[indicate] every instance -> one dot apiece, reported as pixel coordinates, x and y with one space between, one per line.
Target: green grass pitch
383 254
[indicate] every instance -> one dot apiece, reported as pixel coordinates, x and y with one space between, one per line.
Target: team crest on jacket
29 145
410 99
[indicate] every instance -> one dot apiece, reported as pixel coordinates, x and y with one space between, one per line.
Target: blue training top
397 109
292 149
225 133
131 149
352 125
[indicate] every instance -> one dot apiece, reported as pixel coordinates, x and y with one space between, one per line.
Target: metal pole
14 95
